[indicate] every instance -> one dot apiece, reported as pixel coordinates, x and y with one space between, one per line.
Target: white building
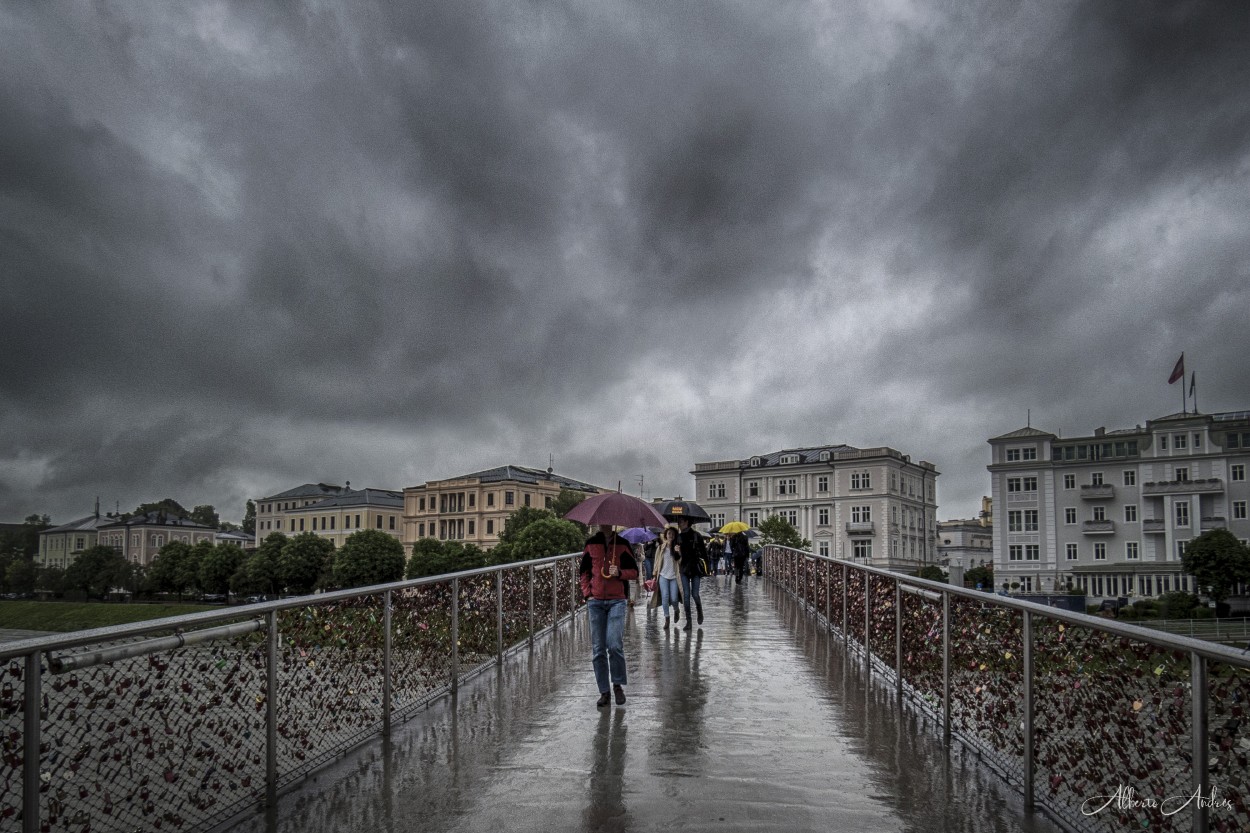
1111 513
872 505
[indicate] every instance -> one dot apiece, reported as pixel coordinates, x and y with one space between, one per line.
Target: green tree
566 500
367 557
168 507
51 580
25 539
429 558
207 515
980 575
175 569
519 520
263 566
21 574
932 572
98 570
540 539
249 519
303 561
1176 605
218 567
777 530
1217 561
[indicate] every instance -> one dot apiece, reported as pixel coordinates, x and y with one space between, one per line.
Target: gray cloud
250 246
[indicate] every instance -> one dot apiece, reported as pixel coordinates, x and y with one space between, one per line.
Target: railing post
946 668
555 605
846 579
499 617
531 572
1198 691
271 713
455 635
898 640
32 742
828 594
386 662
868 622
1027 660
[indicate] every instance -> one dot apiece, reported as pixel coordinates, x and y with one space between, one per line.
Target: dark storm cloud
251 245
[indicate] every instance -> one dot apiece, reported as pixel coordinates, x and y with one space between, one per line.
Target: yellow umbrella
734 527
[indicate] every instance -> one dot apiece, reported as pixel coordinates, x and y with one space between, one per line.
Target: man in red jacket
607 566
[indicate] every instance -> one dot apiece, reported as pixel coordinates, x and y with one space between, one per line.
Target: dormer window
788 459
824 456
755 461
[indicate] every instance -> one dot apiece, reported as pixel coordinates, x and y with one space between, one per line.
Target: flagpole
1193 389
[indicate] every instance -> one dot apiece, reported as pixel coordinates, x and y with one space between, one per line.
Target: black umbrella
675 509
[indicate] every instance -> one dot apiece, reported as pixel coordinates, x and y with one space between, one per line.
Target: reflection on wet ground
757 721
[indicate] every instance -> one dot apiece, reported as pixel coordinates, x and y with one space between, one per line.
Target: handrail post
828 594
1198 691
32 742
1027 660
386 662
868 622
531 630
946 668
846 579
455 635
499 617
555 582
898 640
271 712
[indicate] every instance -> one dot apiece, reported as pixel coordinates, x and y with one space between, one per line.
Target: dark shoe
665 623
698 603
620 695
687 624
604 699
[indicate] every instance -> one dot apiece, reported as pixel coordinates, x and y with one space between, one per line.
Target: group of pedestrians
678 560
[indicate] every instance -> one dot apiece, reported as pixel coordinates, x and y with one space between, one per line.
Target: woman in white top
668 572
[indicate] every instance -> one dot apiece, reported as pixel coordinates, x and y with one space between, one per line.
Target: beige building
139 539
1112 512
473 508
337 517
273 513
60 545
873 505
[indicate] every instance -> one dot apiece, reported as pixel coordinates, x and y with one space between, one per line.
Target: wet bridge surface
758 721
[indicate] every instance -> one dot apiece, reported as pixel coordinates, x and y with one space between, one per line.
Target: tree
367 557
777 530
519 520
1217 561
544 537
263 571
218 567
168 507
429 558
51 580
205 514
249 519
174 570
24 540
302 562
932 572
20 575
566 500
983 576
97 570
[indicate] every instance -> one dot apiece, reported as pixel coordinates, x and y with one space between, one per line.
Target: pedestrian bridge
823 696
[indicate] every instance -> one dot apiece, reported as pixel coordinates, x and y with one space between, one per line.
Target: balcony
1102 491
860 528
1098 527
1159 488
1153 525
1214 521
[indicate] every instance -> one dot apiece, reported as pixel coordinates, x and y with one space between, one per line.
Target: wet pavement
755 722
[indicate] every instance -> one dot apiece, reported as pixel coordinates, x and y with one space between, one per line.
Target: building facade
337 517
1111 513
965 543
872 505
274 513
60 545
139 539
474 507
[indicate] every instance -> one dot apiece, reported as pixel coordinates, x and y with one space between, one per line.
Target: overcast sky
245 246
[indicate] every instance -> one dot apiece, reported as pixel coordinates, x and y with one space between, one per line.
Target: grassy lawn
76 616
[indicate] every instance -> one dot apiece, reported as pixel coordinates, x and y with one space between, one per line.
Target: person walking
607 565
648 558
667 566
741 552
693 555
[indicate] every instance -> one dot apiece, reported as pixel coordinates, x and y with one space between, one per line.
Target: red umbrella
616 509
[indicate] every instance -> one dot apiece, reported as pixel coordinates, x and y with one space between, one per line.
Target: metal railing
193 722
1103 726
1217 630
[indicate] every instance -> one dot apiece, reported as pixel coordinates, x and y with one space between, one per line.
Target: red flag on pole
1178 372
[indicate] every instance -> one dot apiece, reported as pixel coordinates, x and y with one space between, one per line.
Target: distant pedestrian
607 566
715 550
741 552
667 573
693 554
648 558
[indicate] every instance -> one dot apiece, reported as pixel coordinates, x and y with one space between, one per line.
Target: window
1030 520
1163 442
861 514
420 504
301 524
420 530
787 486
472 500
358 522
1022 484
1130 513
1029 453
392 522
1130 477
490 498
1069 515
527 498
861 480
753 488
1100 513
1239 510
1070 552
1013 455
1130 550
1197 441
1095 478
788 459
1015 521
1182 473
1179 441
1238 472
1100 552
509 498
379 520
718 520
822 548
332 520
1180 552
1069 481
822 516
472 526
822 483
753 518
861 549
1032 552
1182 514
490 527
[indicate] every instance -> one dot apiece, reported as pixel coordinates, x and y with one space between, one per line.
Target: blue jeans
648 567
668 595
690 589
607 641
